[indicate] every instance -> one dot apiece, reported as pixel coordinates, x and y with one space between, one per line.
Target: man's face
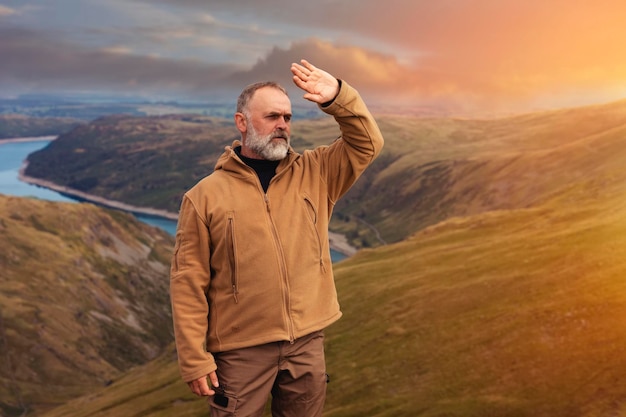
268 125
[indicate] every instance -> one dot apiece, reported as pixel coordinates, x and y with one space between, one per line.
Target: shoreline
28 139
93 198
337 241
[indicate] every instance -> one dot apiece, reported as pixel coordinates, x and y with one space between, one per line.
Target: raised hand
319 86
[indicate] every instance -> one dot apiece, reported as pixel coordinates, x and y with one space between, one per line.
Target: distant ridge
19 126
430 169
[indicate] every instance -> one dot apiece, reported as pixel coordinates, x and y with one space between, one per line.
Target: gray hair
248 92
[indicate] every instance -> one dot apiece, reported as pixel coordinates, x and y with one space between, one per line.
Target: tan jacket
251 267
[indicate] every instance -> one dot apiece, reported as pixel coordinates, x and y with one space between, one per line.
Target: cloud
458 54
372 71
119 49
6 11
477 51
43 65
47 64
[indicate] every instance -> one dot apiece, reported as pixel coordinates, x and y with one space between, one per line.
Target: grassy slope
154 389
83 297
431 170
516 312
142 161
426 173
16 126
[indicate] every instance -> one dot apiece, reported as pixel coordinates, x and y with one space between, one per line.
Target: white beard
263 145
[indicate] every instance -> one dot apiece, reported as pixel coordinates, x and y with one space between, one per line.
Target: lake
12 156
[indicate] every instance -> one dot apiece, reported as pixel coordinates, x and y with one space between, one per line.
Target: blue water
12 156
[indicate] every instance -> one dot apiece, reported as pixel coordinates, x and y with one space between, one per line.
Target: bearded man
252 286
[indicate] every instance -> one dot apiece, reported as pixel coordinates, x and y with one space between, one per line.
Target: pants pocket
222 405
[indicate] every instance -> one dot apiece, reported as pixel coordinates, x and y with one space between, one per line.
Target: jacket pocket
174 267
312 215
231 246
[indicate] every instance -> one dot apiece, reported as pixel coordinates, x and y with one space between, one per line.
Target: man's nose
283 123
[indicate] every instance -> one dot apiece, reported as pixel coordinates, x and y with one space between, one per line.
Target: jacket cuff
328 103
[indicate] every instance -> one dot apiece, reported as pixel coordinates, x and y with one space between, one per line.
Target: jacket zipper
232 253
283 267
283 271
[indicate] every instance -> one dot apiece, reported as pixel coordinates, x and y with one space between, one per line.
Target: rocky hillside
83 299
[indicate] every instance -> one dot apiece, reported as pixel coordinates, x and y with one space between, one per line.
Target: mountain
430 169
19 126
506 297
142 161
83 299
508 313
435 169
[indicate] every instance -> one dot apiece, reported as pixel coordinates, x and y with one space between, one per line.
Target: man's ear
241 122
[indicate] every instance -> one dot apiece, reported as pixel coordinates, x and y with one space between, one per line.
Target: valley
495 288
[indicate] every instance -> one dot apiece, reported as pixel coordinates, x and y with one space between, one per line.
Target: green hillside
512 305
430 169
83 299
508 313
511 313
143 161
435 169
19 126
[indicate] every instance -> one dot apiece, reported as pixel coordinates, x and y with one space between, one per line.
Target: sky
452 56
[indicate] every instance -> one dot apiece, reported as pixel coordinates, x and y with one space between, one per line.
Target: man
251 279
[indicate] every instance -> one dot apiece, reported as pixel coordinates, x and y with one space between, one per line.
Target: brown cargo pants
293 373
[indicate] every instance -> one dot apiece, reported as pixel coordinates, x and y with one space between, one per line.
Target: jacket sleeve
360 143
189 282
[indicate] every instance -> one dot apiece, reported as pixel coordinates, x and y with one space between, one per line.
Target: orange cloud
463 55
508 50
6 11
499 54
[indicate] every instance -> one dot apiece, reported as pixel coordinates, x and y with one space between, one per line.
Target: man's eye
278 116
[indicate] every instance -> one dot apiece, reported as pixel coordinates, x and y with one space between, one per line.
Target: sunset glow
467 56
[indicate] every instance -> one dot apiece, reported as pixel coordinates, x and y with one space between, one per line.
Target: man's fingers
204 387
299 72
213 378
318 85
304 71
299 82
306 64
200 387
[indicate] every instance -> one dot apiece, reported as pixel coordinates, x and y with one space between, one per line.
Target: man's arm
346 159
189 281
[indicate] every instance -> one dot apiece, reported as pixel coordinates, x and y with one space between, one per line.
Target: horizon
158 106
